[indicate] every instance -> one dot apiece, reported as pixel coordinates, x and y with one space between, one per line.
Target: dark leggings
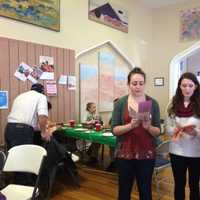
180 165
128 171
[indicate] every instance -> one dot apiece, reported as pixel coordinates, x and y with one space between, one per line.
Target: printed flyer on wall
51 88
47 66
3 99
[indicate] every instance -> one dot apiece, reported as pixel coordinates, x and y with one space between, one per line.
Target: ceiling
161 3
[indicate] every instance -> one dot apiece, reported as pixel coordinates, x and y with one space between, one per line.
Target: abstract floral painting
105 12
190 24
38 12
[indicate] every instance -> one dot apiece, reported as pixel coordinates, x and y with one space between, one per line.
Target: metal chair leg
50 182
74 176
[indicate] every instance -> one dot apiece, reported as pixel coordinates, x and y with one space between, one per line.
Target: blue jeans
128 171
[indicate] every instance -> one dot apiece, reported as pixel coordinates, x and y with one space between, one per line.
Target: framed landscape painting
107 13
38 12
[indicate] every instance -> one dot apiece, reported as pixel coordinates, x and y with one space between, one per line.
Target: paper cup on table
98 127
72 123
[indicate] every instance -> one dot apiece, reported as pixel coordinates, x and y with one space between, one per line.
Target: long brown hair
136 70
179 98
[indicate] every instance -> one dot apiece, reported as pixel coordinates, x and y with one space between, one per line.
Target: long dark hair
179 98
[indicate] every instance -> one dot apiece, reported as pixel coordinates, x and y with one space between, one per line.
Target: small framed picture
159 81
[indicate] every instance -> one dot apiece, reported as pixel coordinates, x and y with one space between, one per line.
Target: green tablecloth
88 134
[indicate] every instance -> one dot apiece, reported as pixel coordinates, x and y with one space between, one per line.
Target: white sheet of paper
71 82
51 88
23 71
62 80
47 76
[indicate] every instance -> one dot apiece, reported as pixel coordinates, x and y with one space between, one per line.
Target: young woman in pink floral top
135 150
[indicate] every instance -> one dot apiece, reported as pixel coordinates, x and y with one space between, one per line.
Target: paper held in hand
145 106
144 111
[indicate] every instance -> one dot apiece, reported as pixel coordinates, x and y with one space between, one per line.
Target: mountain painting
44 13
104 12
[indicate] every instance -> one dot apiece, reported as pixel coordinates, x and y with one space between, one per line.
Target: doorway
186 61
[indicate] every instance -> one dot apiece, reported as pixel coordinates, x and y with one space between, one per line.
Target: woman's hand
122 129
178 133
190 130
146 124
134 123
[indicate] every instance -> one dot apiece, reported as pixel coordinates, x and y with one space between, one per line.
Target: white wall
166 45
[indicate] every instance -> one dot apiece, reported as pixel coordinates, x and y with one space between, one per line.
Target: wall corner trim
114 46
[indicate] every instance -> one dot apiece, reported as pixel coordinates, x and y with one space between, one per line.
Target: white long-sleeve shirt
187 145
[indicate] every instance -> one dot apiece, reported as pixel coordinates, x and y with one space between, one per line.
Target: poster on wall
35 74
106 81
62 80
23 71
51 88
47 67
105 12
3 99
190 24
88 87
71 83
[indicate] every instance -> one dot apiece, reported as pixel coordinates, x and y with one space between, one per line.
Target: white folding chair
161 163
23 158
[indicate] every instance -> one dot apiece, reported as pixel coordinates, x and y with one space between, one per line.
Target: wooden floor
97 184
101 185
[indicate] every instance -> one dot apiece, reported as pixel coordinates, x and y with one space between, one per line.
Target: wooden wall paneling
31 59
54 116
4 81
67 103
46 52
61 99
23 85
14 63
72 92
12 53
38 53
